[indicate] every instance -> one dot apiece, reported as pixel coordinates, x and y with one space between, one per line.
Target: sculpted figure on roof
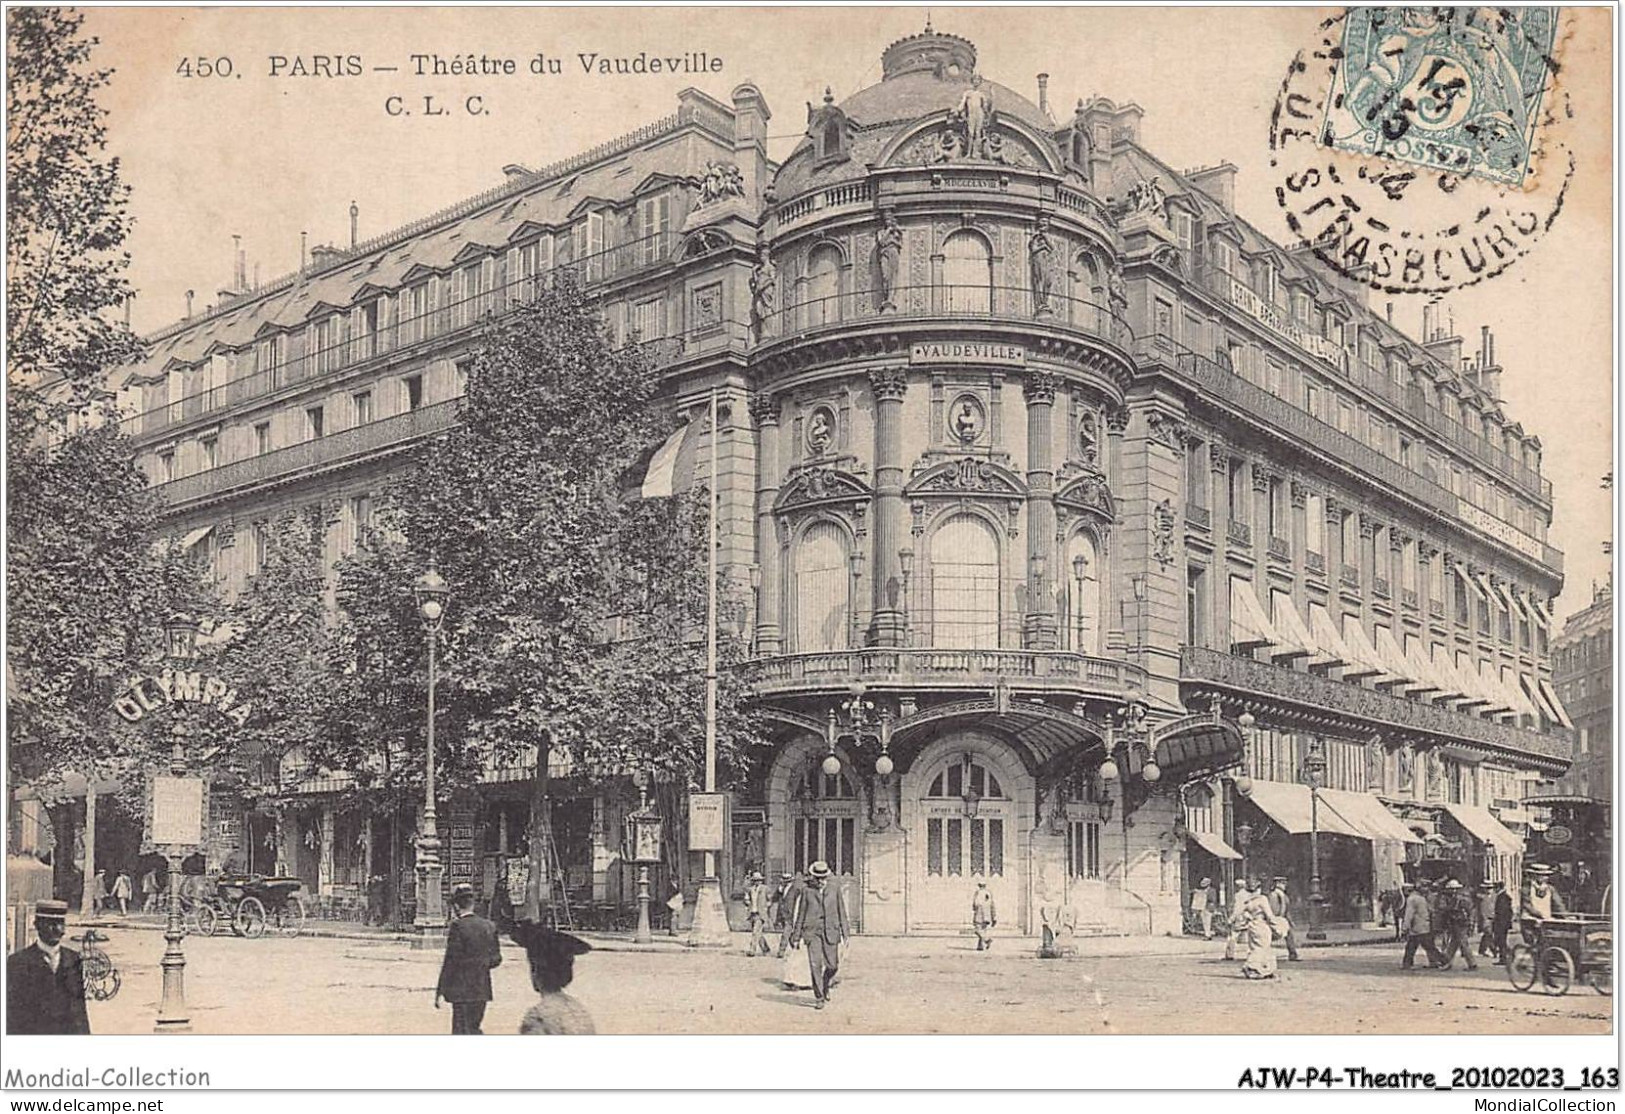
722 180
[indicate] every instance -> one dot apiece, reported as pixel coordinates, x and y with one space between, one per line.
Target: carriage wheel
1601 978
290 918
1521 967
208 920
1556 970
250 918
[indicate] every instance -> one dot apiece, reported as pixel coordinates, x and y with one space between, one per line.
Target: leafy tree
66 221
576 616
87 586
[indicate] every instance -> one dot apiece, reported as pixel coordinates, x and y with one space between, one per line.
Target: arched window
1082 570
965 585
822 589
967 274
823 285
971 843
1089 306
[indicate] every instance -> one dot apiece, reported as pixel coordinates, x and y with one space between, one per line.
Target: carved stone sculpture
1041 262
764 289
888 260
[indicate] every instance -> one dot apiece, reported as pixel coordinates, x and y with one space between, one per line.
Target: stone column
1298 535
886 624
1334 561
764 408
1117 589
1038 629
1368 567
1219 590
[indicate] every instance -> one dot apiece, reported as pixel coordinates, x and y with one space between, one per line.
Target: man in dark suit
45 982
472 949
820 920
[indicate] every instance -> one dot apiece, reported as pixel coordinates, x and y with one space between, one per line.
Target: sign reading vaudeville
967 352
707 821
179 686
177 811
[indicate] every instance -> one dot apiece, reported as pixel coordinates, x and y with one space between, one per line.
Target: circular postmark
1422 150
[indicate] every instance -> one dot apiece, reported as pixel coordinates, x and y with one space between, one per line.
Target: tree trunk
538 892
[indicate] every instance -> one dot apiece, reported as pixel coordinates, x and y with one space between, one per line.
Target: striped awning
1213 845
1371 816
1289 805
1327 638
1549 694
1250 628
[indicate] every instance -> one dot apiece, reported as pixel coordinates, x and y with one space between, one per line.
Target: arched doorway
815 816
971 807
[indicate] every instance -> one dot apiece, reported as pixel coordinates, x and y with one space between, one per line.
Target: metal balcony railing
294 365
1368 708
1199 517
1314 562
1350 577
1239 533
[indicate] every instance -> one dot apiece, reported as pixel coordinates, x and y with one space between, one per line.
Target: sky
277 148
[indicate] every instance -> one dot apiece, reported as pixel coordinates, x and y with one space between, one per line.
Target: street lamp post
1314 773
642 841
431 592
173 1016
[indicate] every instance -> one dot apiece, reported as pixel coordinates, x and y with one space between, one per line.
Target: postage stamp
1423 150
1455 89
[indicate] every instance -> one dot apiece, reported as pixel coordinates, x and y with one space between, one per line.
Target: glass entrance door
967 824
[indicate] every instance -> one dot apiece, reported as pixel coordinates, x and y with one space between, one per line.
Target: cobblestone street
888 985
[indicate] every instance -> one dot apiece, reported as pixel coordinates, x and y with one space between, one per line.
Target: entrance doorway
966 822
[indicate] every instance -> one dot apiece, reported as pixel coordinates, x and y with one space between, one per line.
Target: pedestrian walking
1280 903
984 916
756 908
149 892
1501 925
1488 892
98 893
552 957
123 891
1237 904
472 949
820 920
790 887
1456 921
675 904
1259 927
45 982
1203 901
1418 924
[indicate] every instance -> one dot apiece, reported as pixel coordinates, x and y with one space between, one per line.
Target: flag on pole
671 468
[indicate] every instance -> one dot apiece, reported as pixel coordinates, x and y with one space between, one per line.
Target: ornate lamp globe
1244 785
431 591
1151 771
1245 721
1108 770
883 765
832 766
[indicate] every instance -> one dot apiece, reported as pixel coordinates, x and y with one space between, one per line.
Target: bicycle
102 979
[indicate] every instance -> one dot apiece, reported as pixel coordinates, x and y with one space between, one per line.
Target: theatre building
1066 502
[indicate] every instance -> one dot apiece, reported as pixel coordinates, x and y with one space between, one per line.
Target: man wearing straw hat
820 919
45 982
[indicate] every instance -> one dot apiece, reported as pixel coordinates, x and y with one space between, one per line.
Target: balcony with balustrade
1061 672
977 313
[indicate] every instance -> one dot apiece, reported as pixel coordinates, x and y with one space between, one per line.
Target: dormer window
1224 256
654 225
1184 227
587 245
827 128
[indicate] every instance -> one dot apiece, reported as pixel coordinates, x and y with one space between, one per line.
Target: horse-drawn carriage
249 904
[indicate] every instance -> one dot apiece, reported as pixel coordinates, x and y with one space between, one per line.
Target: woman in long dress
1258 931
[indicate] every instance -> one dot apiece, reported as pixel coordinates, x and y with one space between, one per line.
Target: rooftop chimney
323 256
355 223
189 296
304 252
1388 310
1043 93
1218 182
240 273
1489 372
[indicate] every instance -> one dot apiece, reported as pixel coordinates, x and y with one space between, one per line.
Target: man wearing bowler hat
45 982
820 919
472 949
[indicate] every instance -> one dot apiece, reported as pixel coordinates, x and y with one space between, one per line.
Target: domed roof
928 73
920 75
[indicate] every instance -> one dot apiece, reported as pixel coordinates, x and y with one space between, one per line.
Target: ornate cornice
1300 494
1368 525
1117 419
1165 430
